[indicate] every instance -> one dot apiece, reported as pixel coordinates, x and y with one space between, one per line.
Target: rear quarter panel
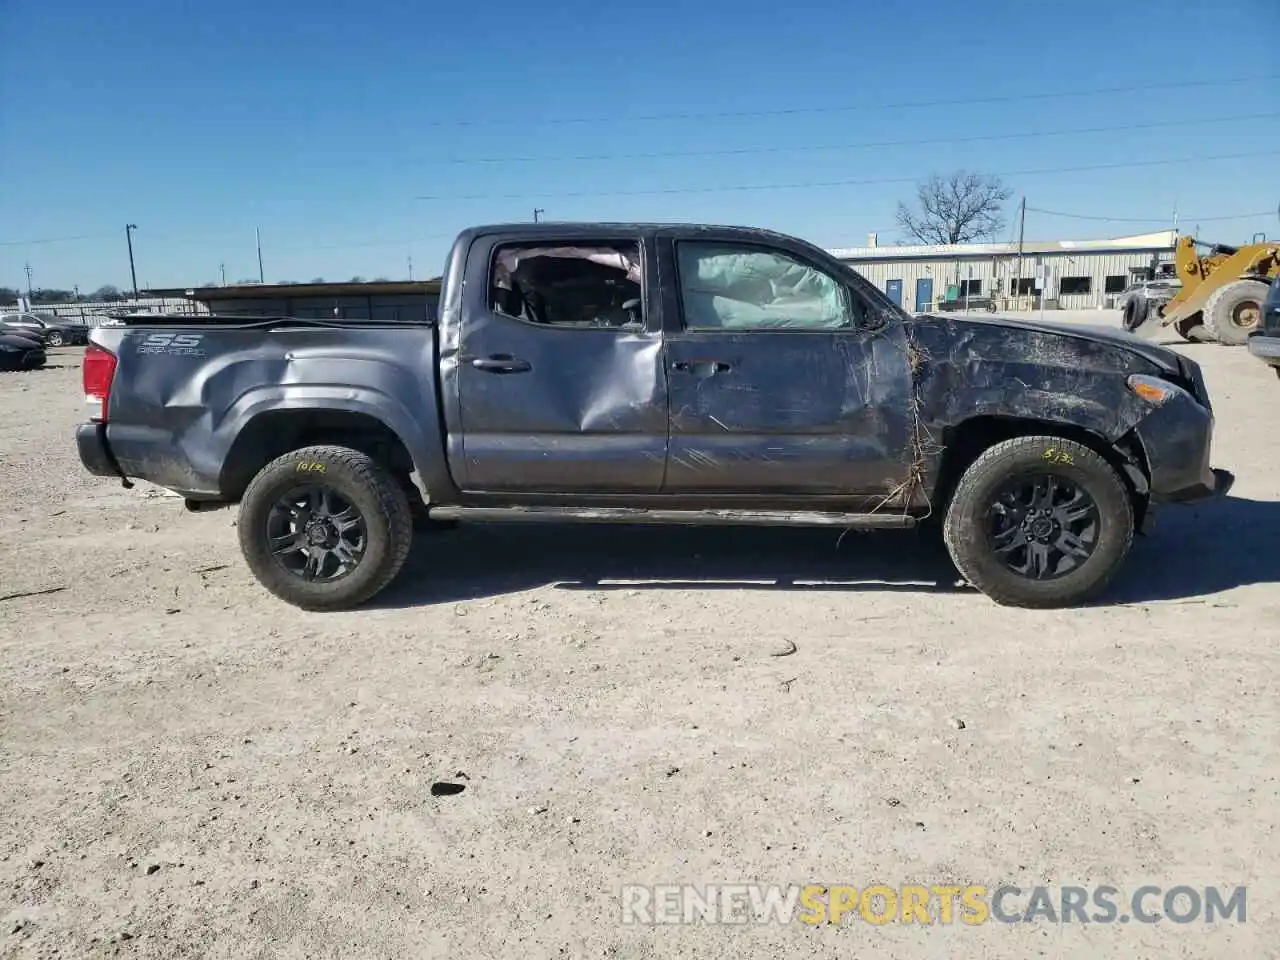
181 395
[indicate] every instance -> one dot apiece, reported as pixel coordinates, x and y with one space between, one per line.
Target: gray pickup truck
659 374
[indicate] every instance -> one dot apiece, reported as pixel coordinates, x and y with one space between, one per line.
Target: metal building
1070 274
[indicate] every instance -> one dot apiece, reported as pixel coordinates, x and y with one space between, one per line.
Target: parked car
1138 300
20 352
1264 343
660 374
53 333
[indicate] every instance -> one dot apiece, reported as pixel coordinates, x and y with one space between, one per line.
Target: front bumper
1177 440
1266 348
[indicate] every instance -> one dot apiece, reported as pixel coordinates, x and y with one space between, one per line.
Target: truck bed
186 388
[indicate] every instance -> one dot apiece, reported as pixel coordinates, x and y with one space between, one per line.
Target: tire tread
960 542
391 499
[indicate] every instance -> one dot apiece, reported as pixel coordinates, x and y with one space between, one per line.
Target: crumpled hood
1162 357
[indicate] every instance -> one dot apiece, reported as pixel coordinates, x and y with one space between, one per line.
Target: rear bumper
91 443
142 453
1266 348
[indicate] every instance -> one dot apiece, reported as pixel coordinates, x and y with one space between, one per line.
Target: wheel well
966 441
273 434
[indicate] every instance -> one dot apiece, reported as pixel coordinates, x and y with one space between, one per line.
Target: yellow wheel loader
1221 294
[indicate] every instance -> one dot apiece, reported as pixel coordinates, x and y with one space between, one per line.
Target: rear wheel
325 527
1039 522
1234 311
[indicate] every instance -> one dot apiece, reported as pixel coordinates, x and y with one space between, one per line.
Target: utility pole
257 235
28 269
222 272
1022 232
133 273
411 268
537 214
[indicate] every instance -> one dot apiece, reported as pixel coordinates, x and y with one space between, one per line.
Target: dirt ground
190 768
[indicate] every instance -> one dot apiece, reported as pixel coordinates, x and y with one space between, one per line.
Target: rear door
557 380
784 382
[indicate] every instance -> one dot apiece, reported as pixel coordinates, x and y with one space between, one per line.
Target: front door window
736 287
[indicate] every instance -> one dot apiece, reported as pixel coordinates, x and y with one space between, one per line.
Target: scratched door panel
799 413
589 415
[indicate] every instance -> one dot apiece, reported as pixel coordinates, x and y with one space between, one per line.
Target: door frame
857 290
473 307
926 282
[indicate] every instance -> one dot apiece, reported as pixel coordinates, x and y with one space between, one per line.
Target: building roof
299 291
1142 243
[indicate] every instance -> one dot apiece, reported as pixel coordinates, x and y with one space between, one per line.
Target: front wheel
325 527
55 339
1039 522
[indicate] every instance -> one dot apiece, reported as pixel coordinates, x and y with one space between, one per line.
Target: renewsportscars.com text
928 904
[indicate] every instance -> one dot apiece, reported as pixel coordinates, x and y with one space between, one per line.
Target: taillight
97 372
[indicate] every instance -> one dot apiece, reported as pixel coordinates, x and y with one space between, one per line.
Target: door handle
701 368
501 363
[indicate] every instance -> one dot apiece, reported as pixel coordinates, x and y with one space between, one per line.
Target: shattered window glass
732 287
569 286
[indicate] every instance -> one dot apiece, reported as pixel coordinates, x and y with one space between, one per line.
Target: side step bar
764 518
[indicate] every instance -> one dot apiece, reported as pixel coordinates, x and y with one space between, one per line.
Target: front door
780 382
893 290
924 294
557 375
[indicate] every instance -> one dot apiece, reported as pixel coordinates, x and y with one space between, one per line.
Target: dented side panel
790 412
585 412
181 399
974 368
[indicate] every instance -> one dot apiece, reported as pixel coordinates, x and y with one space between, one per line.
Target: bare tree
956 209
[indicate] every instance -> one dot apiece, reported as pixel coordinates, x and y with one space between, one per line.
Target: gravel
299 776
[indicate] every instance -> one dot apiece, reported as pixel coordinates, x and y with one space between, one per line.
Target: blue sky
324 123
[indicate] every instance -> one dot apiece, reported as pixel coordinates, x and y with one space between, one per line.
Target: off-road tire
1135 312
965 529
357 478
1222 311
1192 329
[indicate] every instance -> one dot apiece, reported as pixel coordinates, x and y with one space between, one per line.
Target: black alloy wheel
316 534
1043 526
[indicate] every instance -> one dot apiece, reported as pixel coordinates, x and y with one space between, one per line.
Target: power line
849 108
385 243
83 236
823 184
1163 219
863 145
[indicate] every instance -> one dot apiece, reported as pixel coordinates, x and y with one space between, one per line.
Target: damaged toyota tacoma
669 374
